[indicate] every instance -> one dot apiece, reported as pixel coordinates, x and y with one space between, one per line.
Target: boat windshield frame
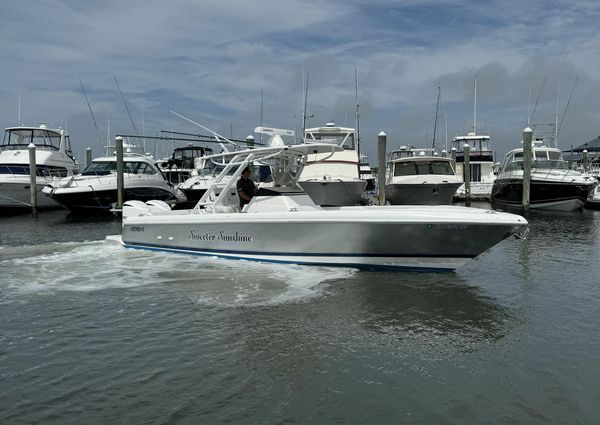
43 138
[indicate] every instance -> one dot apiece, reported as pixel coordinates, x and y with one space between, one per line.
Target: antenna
91 112
19 120
126 107
215 134
261 114
437 106
537 100
357 114
556 117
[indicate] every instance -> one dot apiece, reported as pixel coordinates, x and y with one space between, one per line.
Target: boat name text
448 226
221 236
137 228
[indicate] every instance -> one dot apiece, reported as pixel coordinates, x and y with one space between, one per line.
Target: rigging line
126 107
90 108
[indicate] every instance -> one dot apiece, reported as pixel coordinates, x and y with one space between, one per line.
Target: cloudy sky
211 59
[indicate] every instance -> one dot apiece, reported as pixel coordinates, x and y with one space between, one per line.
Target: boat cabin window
22 137
41 170
345 140
423 167
102 168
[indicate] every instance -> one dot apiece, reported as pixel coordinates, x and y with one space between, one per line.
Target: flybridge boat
54 160
420 177
333 179
95 190
481 160
283 224
553 185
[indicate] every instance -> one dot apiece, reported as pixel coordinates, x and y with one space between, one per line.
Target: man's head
247 171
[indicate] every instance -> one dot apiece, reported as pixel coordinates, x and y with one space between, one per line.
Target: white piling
120 170
527 161
32 178
88 156
381 142
467 173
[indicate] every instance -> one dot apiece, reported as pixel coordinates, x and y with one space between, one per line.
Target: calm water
95 334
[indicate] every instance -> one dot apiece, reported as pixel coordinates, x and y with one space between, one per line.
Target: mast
475 108
19 117
437 106
305 102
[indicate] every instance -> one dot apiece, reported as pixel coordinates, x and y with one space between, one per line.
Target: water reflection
413 306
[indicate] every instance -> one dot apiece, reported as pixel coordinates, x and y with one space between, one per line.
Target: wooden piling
527 161
32 179
381 142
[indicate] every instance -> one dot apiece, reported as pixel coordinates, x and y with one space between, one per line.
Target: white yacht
54 160
283 224
420 177
95 190
553 185
366 172
481 160
332 178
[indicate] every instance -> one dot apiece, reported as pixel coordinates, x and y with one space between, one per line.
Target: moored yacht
333 178
95 190
553 185
420 177
179 167
282 224
54 160
481 160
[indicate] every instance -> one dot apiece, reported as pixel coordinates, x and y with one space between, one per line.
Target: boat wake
97 265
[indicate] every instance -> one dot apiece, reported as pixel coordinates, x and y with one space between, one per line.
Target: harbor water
92 333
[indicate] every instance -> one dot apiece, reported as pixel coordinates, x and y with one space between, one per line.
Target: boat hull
102 201
421 193
15 193
544 195
372 237
333 192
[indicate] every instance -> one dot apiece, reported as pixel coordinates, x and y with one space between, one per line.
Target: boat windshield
543 159
20 138
102 168
411 168
345 140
